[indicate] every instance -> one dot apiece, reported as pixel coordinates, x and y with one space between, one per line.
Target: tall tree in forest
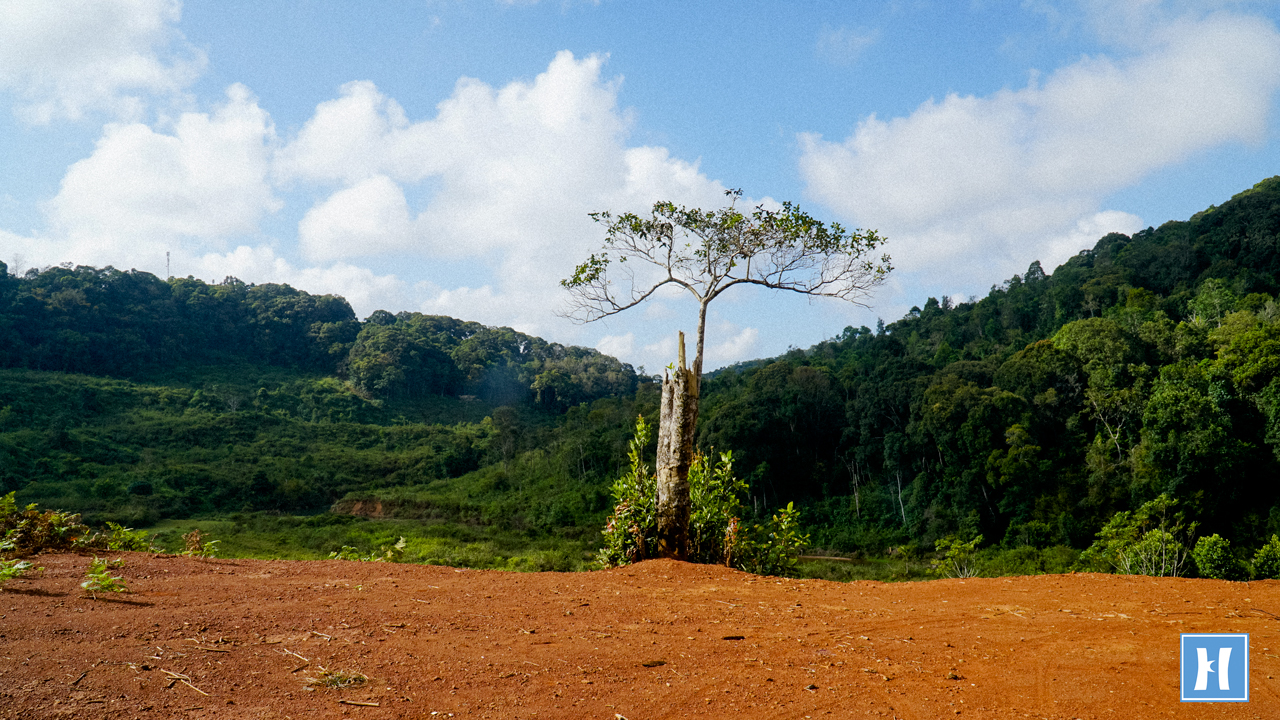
706 252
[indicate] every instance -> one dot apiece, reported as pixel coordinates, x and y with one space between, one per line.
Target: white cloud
740 346
500 181
141 190
619 346
502 176
664 351
65 59
1085 234
364 289
969 182
349 138
365 219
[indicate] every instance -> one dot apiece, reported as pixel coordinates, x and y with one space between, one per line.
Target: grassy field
433 543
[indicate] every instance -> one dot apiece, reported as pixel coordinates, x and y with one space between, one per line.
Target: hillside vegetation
1144 365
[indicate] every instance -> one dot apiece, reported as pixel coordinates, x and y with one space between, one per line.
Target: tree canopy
706 252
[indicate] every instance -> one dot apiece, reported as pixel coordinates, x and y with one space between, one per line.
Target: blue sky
442 155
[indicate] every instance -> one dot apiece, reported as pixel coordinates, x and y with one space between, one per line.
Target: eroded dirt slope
242 638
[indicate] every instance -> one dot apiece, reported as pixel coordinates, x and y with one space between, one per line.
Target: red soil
241 639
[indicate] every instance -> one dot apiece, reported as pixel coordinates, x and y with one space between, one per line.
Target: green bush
715 535
1151 540
631 533
1266 562
958 557
771 549
716 531
1026 560
1214 559
29 530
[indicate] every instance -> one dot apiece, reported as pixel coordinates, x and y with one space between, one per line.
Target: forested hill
1146 364
129 398
131 324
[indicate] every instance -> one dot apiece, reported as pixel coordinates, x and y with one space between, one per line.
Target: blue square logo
1215 667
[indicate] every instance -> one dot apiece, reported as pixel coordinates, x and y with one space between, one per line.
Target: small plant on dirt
958 557
100 578
1215 560
118 538
394 553
386 553
10 569
198 546
337 679
1152 540
774 548
346 552
716 532
1266 562
909 554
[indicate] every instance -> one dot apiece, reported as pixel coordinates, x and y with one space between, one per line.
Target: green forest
1143 366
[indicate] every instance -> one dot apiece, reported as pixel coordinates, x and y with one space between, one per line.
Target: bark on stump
678 415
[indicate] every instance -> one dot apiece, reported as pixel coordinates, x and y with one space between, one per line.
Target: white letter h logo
1206 667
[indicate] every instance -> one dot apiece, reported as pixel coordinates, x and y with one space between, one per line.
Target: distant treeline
131 324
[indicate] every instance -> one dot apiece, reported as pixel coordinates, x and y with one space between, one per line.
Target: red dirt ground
242 638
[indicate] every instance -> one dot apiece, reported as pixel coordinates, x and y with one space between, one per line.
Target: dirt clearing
290 639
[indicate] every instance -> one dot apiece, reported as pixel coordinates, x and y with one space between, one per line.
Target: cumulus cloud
1085 233
998 181
663 351
65 59
349 138
739 346
365 290
202 183
619 346
505 176
368 218
174 198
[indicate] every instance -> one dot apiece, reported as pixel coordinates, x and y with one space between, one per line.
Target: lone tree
707 252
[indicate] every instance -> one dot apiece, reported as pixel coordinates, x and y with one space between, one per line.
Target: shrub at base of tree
717 534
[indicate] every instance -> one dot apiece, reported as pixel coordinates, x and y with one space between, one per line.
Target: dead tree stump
676 422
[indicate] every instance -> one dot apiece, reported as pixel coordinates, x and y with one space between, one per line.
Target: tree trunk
675 454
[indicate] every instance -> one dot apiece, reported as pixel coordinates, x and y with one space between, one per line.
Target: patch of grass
337 679
387 553
117 537
879 569
318 537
